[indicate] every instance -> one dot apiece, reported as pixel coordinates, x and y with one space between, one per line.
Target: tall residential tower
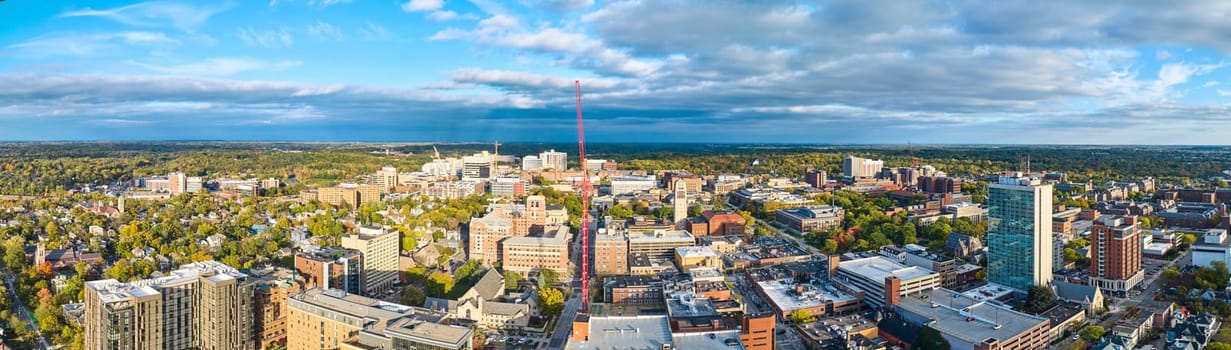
1019 236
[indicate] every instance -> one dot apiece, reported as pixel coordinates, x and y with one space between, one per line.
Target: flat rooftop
625 332
709 340
782 293
990 291
967 319
876 268
113 291
696 252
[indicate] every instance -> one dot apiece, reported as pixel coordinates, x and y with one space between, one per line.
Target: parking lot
514 340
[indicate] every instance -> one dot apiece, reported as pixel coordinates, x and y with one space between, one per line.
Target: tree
1039 299
439 284
1169 273
1218 346
548 278
830 246
413 296
695 210
802 316
1092 333
930 339
511 280
553 301
620 211
15 253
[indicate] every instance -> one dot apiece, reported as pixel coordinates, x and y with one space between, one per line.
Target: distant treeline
41 168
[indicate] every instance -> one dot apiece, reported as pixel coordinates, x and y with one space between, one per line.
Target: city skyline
856 72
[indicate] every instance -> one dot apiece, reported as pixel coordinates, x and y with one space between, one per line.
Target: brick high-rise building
272 288
815 178
203 305
1115 253
610 254
331 268
939 184
511 220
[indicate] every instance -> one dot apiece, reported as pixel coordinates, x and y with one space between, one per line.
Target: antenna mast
585 207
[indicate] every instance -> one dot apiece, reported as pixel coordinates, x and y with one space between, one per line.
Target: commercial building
916 255
659 244
203 305
787 291
478 166
549 250
633 290
1019 237
1115 253
967 323
333 319
689 258
272 287
630 184
194 184
813 218
554 160
884 281
860 168
1213 246
386 179
610 253
331 268
508 187
531 163
379 247
720 223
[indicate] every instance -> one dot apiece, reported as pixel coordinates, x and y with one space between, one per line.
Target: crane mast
585 206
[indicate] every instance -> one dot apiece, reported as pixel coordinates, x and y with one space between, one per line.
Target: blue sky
858 71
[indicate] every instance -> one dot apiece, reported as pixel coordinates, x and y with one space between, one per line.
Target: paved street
25 313
798 241
564 325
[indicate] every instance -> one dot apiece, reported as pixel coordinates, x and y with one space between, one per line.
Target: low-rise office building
549 250
970 324
333 319
884 281
809 219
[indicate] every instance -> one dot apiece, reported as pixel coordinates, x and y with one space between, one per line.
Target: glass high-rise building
1019 238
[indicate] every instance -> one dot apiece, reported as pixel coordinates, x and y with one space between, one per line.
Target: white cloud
325 31
441 16
1209 84
220 66
78 44
266 38
422 5
155 14
375 32
1224 93
1162 55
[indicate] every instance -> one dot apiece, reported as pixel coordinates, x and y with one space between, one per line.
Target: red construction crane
585 207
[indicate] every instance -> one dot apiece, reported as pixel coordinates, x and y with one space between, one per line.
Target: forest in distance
46 168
